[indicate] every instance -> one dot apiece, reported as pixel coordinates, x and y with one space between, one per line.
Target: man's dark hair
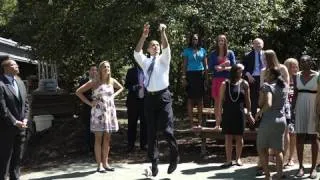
93 65
2 59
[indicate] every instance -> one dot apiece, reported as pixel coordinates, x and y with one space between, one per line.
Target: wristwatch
15 123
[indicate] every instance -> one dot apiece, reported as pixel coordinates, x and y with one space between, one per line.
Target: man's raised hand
162 27
146 30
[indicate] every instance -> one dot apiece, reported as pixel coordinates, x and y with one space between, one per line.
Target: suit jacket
87 94
249 62
132 80
12 107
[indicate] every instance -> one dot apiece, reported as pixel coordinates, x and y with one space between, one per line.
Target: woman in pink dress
103 113
220 62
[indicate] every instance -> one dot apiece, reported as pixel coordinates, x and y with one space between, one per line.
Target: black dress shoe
109 168
173 165
154 169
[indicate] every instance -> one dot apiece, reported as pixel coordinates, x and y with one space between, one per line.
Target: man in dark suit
85 110
14 111
253 64
135 106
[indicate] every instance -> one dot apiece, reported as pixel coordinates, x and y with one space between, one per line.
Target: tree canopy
77 33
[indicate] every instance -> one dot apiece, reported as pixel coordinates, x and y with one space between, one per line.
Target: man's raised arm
164 39
143 37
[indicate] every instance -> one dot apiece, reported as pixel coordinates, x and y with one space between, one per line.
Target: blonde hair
271 59
99 74
289 62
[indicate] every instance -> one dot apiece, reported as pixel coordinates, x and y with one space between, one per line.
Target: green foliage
7 9
76 33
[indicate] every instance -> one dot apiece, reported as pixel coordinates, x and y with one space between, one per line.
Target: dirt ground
65 142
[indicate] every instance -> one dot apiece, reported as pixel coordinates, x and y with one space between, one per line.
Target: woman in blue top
194 67
220 62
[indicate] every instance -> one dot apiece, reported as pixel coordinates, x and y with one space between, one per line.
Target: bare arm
318 101
206 68
164 39
184 66
249 117
86 87
268 102
295 92
265 102
118 86
247 96
285 74
143 37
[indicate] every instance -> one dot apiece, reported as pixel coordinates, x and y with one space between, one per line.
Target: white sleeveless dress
305 117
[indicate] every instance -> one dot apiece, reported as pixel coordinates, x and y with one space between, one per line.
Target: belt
307 91
154 93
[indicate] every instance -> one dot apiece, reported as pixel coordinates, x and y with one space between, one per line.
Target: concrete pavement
185 171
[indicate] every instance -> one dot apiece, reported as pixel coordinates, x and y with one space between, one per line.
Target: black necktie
150 70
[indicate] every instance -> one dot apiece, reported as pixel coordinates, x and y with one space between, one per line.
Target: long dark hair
225 48
271 59
276 74
199 45
234 74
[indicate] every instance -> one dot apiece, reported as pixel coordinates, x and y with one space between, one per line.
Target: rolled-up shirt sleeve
166 56
140 58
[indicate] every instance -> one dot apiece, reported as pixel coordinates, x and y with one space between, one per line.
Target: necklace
238 92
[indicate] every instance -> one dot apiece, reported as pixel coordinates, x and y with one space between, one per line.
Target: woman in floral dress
103 113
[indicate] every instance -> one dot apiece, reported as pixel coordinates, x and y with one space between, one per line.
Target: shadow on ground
66 176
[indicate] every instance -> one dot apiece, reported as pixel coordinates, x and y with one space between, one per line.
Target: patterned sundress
103 115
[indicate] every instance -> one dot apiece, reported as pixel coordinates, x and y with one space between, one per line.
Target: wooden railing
207 131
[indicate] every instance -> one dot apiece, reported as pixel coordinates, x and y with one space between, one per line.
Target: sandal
290 163
239 163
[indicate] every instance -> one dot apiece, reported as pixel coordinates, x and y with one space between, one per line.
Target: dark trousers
159 116
135 110
254 94
13 143
85 116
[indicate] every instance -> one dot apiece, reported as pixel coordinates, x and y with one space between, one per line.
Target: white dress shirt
160 76
257 66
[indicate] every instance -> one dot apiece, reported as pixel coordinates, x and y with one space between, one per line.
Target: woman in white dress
306 84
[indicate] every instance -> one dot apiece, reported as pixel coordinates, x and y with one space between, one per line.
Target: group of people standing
278 99
259 92
149 100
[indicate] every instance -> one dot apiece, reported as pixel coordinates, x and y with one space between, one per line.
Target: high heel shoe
313 174
300 172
